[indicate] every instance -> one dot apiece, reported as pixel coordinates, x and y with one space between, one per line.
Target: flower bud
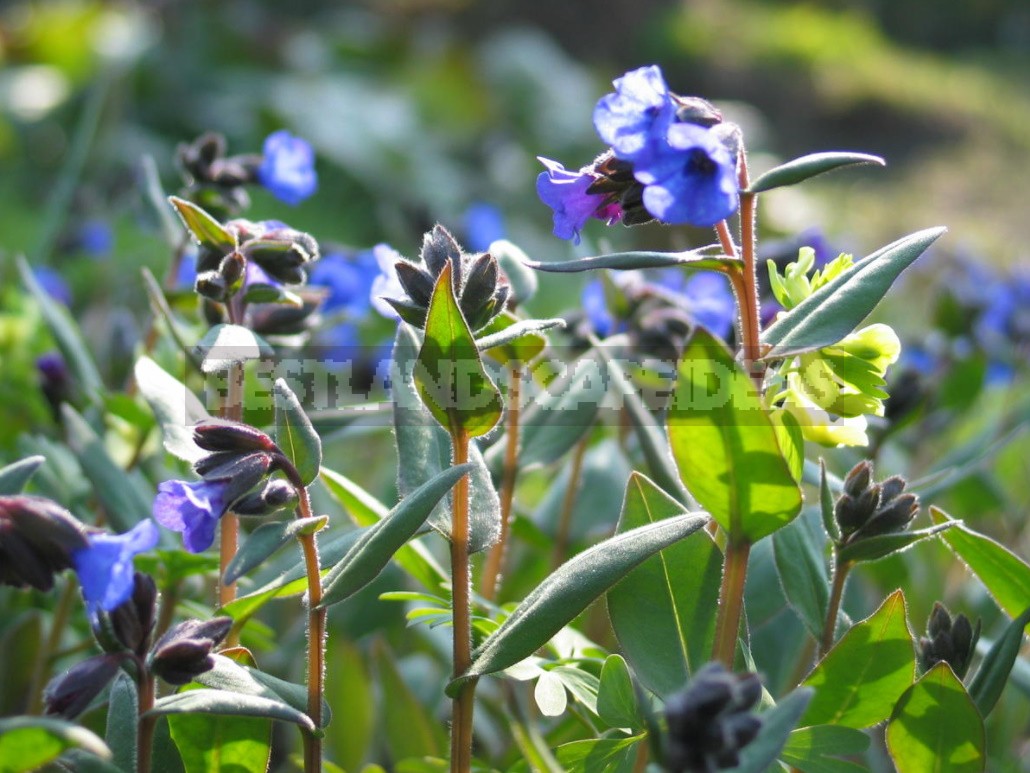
231 268
220 435
211 285
868 509
38 538
949 639
710 721
239 472
184 652
132 621
276 495
281 252
69 694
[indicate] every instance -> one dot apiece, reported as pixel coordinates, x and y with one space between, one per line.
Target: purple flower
105 567
636 116
348 278
692 179
484 225
288 168
254 274
705 296
565 192
192 508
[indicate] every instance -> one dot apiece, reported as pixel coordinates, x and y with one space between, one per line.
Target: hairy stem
561 538
229 538
145 733
840 575
731 602
495 558
751 343
461 613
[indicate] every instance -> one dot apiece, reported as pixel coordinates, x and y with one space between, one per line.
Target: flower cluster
949 639
671 159
866 509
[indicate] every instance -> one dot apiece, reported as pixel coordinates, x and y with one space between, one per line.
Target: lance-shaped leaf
993 674
803 168
208 744
14 476
205 229
935 726
725 444
232 704
777 724
662 612
27 743
370 554
510 338
176 408
224 345
861 678
265 540
1005 575
818 749
799 551
294 433
598 755
424 449
568 591
449 374
123 722
883 545
65 332
630 261
838 307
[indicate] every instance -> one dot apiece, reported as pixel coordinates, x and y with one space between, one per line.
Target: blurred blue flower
191 508
95 238
53 284
254 274
999 373
484 225
186 275
705 295
288 168
635 118
105 568
691 179
386 284
348 279
565 192
595 306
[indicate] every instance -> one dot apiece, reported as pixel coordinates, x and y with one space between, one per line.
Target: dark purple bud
891 488
858 479
949 639
696 110
480 285
409 312
438 246
212 285
218 435
894 517
184 651
132 621
281 252
416 282
276 495
71 693
232 268
38 538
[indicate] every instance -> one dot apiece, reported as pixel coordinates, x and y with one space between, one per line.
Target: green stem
461 613
45 657
840 575
752 348
731 602
495 558
145 733
561 538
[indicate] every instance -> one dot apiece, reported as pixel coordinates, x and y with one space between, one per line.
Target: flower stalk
461 612
147 724
495 559
731 602
840 576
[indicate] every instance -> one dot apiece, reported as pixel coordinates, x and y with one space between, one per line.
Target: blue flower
95 238
705 296
636 116
288 168
595 306
386 284
53 284
565 192
192 508
692 179
348 278
186 275
105 566
484 225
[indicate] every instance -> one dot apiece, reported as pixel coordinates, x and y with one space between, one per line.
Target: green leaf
221 743
836 309
176 408
123 722
777 724
883 545
366 510
568 591
424 449
229 676
549 694
65 332
603 755
616 698
993 674
803 168
517 339
21 642
205 229
348 684
638 260
410 730
662 613
1005 575
26 743
14 476
799 551
861 678
294 433
826 503
373 551
225 344
225 703
265 540
449 373
725 445
561 415
936 727
126 497
818 749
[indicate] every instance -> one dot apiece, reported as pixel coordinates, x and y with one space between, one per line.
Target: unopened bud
949 639
220 435
37 539
184 652
133 621
69 694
